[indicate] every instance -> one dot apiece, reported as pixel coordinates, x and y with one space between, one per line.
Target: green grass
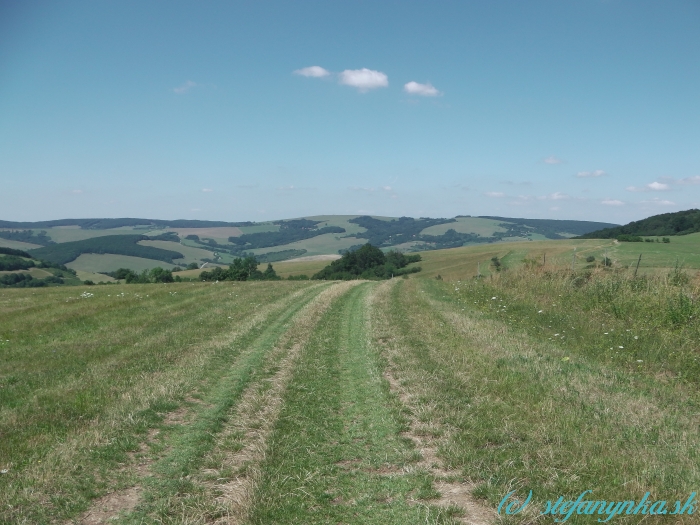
483 227
108 262
191 254
356 402
75 233
17 245
328 243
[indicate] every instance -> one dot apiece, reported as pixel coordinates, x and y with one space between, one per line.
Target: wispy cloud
496 194
612 202
687 181
654 186
558 196
516 183
312 71
661 202
364 79
369 189
184 88
591 174
425 90
553 160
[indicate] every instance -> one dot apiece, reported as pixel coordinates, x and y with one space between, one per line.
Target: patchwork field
404 401
94 263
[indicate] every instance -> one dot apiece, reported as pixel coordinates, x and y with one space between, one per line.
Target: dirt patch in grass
108 507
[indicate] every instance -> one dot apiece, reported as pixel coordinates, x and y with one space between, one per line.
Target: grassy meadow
418 400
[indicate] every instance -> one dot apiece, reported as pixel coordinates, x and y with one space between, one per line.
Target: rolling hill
103 245
678 223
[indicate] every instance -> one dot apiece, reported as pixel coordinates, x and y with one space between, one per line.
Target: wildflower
556 335
4 471
639 361
539 312
620 346
565 359
493 298
636 337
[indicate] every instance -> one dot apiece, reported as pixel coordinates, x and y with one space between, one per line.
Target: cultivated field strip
163 347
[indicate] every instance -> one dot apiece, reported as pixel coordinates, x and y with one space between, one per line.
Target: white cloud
612 202
425 90
553 160
654 186
364 79
207 190
312 71
594 173
558 196
386 188
184 88
494 194
661 202
657 186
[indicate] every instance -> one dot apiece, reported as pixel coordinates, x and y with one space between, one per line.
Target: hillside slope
678 223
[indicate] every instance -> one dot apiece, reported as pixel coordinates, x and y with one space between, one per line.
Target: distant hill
117 244
18 269
553 229
106 244
106 224
678 223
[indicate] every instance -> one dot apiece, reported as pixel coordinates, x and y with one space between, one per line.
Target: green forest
369 262
290 231
116 244
27 236
678 223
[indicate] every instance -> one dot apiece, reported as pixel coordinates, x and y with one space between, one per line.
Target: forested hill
551 228
678 223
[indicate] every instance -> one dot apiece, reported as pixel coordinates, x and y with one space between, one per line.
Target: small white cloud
661 202
184 88
654 186
386 188
364 79
612 202
207 190
553 160
425 90
657 186
558 196
594 173
497 194
77 192
312 71
287 188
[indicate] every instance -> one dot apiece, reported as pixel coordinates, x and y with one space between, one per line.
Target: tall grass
646 323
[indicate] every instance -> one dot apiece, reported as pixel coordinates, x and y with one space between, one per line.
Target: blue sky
570 109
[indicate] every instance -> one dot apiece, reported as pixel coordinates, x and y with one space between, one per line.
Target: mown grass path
356 403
